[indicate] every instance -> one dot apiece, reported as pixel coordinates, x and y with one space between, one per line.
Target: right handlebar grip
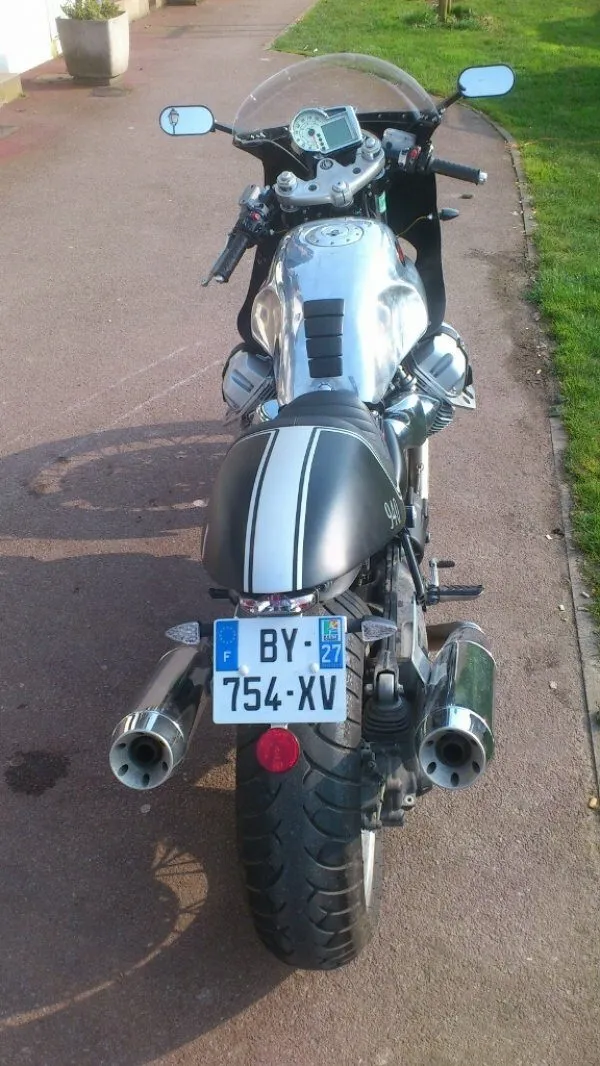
229 258
458 170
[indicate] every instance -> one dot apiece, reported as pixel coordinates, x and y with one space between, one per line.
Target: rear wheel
312 875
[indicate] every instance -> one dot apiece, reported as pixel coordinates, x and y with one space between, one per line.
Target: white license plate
279 670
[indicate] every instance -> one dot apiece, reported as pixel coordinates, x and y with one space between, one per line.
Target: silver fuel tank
349 277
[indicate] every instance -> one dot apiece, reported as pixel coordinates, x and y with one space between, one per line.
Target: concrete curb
587 634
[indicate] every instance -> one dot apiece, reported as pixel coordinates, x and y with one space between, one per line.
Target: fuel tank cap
333 234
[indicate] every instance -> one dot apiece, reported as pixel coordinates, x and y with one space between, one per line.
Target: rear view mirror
189 120
485 81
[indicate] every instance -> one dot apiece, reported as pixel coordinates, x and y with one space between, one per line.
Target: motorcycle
348 707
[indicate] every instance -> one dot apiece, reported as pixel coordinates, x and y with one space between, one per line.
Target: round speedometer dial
305 129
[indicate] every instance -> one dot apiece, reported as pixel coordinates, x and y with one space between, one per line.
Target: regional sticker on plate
269 670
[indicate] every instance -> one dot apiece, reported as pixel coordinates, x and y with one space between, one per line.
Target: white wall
54 9
27 33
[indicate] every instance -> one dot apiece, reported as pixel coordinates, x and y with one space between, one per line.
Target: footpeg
438 593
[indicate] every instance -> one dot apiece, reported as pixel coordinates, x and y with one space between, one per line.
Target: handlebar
253 224
237 243
458 171
257 204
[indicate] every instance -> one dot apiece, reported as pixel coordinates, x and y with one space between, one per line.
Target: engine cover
248 381
441 366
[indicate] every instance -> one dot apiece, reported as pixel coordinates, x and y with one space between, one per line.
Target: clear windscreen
363 82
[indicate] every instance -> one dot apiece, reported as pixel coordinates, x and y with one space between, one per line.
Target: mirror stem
221 128
449 100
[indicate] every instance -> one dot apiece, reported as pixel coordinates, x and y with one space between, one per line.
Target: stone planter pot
95 48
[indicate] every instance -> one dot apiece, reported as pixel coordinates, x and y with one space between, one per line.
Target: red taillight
277 750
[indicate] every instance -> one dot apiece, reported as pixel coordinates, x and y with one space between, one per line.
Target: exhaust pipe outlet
455 739
151 741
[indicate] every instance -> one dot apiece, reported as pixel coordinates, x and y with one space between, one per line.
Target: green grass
554 115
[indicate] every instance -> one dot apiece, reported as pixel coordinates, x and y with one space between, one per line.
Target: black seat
336 410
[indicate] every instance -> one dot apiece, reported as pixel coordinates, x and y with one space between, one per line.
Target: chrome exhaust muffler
455 739
151 741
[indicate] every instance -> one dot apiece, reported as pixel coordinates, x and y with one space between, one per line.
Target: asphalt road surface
124 938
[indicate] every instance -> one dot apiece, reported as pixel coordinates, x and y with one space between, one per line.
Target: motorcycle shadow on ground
122 917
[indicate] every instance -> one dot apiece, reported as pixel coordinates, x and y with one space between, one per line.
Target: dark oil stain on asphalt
33 772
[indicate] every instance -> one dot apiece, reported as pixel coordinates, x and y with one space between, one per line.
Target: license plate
279 670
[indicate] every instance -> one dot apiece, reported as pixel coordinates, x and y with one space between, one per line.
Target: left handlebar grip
229 258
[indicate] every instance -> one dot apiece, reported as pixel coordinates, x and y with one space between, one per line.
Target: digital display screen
338 133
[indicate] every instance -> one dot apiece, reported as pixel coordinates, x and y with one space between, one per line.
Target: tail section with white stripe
298 506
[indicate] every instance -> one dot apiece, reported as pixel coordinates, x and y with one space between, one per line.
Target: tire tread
307 900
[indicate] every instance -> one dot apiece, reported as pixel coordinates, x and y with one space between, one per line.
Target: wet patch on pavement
110 90
52 79
34 772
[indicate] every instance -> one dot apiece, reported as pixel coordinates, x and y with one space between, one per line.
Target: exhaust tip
452 758
455 739
145 749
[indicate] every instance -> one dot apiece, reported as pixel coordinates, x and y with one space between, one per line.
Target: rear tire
312 877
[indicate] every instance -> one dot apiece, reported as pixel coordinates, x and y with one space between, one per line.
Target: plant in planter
94 36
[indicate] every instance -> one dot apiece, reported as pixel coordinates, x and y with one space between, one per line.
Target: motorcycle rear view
348 707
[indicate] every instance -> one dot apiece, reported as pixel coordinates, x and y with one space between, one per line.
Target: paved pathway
124 937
